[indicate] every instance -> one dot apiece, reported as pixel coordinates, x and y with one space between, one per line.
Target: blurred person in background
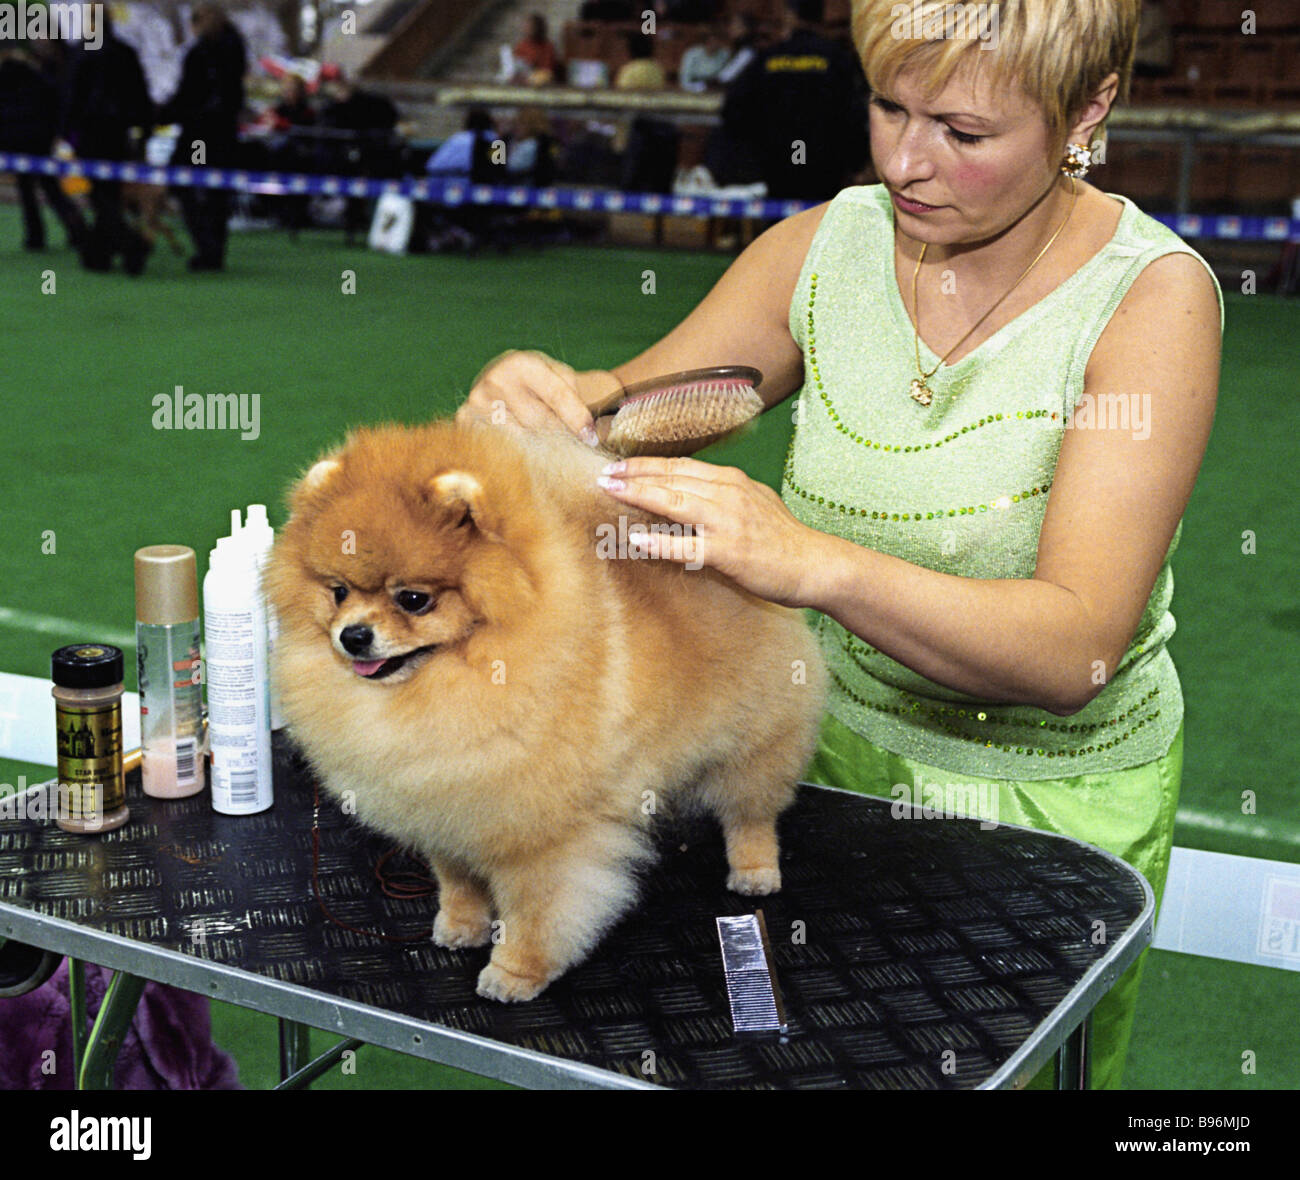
354 109
207 105
286 152
536 59
29 117
742 35
530 158
294 108
109 112
1154 56
467 155
704 61
371 118
801 106
642 72
650 148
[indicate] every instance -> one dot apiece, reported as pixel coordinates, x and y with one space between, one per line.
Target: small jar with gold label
88 717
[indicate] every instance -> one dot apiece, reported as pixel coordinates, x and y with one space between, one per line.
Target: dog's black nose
357 638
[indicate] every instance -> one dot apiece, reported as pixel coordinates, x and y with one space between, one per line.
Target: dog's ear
460 495
317 479
321 473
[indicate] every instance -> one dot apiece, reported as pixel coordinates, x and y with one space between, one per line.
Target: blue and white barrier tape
453 193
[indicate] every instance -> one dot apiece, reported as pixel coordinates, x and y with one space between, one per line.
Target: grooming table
911 953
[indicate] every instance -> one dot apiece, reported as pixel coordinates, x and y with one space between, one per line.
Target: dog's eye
339 592
412 601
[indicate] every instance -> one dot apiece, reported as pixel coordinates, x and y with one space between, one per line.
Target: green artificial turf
85 466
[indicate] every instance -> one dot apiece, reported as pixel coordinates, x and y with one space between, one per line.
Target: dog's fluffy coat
520 730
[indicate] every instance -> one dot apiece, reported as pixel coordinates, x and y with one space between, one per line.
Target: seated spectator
702 62
354 109
295 108
536 60
466 154
742 32
530 156
292 109
642 72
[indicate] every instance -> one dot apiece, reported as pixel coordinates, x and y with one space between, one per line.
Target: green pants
1127 812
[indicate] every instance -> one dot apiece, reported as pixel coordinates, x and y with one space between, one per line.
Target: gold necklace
921 392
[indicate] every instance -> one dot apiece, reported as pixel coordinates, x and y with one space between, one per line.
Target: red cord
398 885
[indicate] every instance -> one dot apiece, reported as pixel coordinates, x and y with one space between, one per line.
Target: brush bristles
689 415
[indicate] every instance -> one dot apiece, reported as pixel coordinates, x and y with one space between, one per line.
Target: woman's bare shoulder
795 233
777 255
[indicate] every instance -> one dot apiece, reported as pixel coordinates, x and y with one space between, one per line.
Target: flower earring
1078 159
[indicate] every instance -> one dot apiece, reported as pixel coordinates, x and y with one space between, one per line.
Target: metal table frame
1065 1033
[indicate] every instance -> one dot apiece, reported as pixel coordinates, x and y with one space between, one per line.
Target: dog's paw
496 983
460 933
755 882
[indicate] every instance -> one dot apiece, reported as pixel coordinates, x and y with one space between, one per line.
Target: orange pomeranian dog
468 658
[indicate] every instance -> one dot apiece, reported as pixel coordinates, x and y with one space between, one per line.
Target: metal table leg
95 1071
1074 1059
77 1000
295 1047
309 1073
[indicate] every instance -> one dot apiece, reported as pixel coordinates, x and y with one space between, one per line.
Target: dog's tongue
367 667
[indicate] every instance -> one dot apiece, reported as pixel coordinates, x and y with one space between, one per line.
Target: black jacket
29 108
210 97
361 111
804 89
109 96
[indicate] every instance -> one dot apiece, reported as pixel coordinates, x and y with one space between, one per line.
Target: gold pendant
921 391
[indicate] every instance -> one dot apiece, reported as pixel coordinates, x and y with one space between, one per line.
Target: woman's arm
1051 640
744 319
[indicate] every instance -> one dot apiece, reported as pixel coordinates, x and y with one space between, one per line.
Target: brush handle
614 401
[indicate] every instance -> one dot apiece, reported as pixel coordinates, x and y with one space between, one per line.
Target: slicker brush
680 413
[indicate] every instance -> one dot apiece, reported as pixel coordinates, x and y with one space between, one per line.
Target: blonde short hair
1057 51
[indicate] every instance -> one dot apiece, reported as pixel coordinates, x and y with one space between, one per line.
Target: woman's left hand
734 524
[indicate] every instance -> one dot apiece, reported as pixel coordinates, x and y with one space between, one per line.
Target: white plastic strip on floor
1273 829
71 629
1239 908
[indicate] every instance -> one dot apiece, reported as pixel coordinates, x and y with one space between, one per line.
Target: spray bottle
259 535
239 721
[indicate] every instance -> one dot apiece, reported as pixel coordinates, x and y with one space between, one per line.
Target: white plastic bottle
239 722
259 534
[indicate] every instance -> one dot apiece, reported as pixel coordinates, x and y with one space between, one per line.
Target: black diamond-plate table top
911 953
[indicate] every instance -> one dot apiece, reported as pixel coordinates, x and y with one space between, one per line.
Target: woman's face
963 165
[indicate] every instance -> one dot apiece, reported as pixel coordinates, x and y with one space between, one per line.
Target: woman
535 53
989 552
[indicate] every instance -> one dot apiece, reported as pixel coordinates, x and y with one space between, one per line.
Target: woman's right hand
534 391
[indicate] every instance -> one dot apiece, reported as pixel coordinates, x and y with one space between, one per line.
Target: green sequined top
961 486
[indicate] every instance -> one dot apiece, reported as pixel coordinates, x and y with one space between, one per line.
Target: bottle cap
87 665
258 533
166 584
